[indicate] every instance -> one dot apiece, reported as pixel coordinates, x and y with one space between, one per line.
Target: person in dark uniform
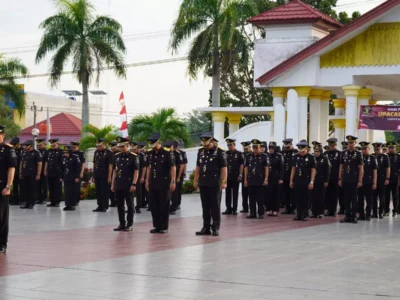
350 178
323 168
245 191
182 178
235 162
369 183
53 172
16 191
142 170
211 177
29 170
342 204
288 194
392 187
114 150
160 182
263 146
275 180
383 180
256 172
124 181
8 164
82 158
180 167
42 184
142 179
71 171
302 179
103 165
385 149
332 191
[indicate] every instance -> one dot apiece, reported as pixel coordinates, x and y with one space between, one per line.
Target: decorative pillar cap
303 91
326 95
279 92
351 90
339 123
218 116
234 118
373 102
339 103
315 94
364 93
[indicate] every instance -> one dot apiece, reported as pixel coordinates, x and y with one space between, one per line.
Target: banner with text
379 117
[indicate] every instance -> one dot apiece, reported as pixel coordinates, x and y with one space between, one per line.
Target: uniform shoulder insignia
134 153
118 153
221 148
149 150
9 145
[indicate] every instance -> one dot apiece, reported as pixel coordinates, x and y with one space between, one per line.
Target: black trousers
379 193
350 196
302 196
42 188
55 190
16 191
332 193
342 200
78 186
288 196
28 194
122 197
318 199
4 216
180 192
175 196
111 196
211 204
232 195
273 198
70 191
391 190
145 200
256 194
160 201
365 195
102 192
245 198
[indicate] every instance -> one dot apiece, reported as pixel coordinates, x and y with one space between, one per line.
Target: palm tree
91 134
163 121
91 42
9 69
218 40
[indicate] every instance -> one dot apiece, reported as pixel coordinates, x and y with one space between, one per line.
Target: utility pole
48 126
34 131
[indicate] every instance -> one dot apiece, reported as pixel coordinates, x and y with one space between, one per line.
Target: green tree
9 69
197 122
163 121
218 41
91 42
91 134
12 129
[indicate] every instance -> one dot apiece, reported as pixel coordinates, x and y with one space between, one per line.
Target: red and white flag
123 117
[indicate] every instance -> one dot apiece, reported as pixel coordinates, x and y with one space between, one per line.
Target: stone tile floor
76 256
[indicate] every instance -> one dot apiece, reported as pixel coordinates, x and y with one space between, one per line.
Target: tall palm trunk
85 101
216 81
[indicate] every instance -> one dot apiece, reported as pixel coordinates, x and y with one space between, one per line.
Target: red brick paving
40 251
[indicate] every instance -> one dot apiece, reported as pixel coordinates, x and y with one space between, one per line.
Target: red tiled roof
328 40
293 12
61 124
63 139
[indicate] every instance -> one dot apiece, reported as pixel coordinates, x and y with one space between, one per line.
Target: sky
147 25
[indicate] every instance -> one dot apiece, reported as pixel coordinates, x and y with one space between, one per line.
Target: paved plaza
76 256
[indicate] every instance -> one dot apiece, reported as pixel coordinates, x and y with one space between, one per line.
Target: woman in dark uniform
320 182
71 170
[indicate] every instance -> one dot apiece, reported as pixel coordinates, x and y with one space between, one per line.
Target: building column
303 92
324 115
340 125
351 93
315 115
292 123
234 122
363 99
279 94
219 124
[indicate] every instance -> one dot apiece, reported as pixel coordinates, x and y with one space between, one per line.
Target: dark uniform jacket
234 159
54 162
18 153
276 167
72 167
81 155
178 161
142 163
383 163
351 160
323 169
210 163
334 159
102 160
394 167
255 165
43 152
160 163
185 161
304 165
125 165
370 165
8 159
288 156
29 163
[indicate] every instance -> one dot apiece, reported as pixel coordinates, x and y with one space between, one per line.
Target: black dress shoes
251 217
204 231
120 228
155 230
227 212
3 250
215 233
128 228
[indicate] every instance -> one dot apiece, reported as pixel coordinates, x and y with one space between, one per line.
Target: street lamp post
35 133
